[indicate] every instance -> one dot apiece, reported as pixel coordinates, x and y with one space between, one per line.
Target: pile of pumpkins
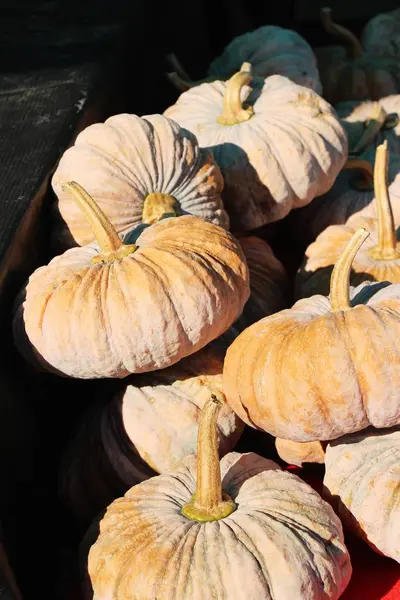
160 283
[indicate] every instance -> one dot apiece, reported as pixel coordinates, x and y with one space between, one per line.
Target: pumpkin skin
185 284
273 371
381 35
147 428
254 154
300 454
259 557
362 480
122 163
352 73
343 201
354 116
272 51
269 282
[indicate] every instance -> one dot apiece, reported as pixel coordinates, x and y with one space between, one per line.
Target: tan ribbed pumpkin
377 260
262 534
324 368
148 427
136 169
300 454
278 144
362 480
118 308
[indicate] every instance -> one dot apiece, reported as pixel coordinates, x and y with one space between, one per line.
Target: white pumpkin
277 153
136 169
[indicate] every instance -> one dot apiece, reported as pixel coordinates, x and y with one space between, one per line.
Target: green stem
373 126
340 278
208 503
354 47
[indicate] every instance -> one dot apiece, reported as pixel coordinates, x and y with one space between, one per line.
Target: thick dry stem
208 503
176 65
109 242
340 278
373 126
233 112
365 181
387 248
157 205
354 48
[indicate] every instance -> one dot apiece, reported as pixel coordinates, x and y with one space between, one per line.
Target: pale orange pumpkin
371 123
324 368
148 427
241 529
377 260
136 169
115 309
256 128
300 453
362 481
353 73
351 194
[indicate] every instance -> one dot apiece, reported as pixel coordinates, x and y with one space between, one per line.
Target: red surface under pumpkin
374 577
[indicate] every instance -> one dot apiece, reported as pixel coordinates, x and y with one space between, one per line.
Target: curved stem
176 65
182 85
109 242
208 502
373 126
340 278
354 47
366 182
387 241
233 111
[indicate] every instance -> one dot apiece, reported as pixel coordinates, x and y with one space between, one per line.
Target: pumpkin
362 480
270 289
377 260
351 194
381 35
371 123
148 427
260 534
282 123
352 73
300 453
121 308
323 368
136 169
271 50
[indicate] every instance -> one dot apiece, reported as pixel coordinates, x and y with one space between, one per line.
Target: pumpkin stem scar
374 125
208 503
110 244
156 205
354 48
364 182
233 112
340 278
387 248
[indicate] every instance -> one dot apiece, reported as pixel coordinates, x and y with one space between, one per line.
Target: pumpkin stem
387 248
373 126
208 503
157 205
366 181
340 278
176 65
354 48
181 84
233 112
110 244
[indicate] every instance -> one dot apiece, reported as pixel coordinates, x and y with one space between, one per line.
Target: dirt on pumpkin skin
311 100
